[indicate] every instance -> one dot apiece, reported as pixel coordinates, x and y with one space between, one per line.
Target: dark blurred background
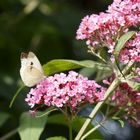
46 27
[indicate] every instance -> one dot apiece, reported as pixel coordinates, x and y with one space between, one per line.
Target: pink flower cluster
131 51
128 101
70 90
103 30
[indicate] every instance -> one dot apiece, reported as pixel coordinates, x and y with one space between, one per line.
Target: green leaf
56 138
59 65
121 123
57 119
30 127
46 112
3 118
88 72
119 120
120 44
96 139
100 73
134 85
16 94
76 125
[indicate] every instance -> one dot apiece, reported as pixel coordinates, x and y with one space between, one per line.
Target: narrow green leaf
46 112
30 128
56 138
121 123
59 65
119 120
16 94
134 85
3 117
120 44
115 118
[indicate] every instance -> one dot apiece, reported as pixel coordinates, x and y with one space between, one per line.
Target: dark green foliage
49 30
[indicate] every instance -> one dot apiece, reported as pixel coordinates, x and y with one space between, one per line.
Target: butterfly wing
31 70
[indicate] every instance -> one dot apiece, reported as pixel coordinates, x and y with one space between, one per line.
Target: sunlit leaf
3 117
60 65
121 123
120 44
30 127
134 85
119 120
31 6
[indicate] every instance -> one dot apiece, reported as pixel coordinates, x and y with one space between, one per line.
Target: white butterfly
31 71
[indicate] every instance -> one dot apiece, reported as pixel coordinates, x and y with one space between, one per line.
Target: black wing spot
31 63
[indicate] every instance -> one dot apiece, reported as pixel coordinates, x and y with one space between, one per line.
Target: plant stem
97 55
89 132
70 130
10 134
111 88
16 94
